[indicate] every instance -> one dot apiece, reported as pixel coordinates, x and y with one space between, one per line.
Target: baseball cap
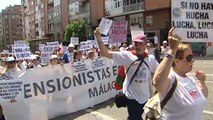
140 38
164 42
10 59
71 45
53 57
34 57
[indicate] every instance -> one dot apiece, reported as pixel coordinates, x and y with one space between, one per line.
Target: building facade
10 26
90 10
58 19
157 19
128 10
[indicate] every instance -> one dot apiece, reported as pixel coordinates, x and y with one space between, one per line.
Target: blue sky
5 3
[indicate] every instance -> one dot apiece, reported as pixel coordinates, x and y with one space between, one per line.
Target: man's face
11 64
140 46
70 49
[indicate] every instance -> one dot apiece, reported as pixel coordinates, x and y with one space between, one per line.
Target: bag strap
130 66
135 72
169 94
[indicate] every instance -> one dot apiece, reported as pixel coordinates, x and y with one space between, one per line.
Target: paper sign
74 40
105 25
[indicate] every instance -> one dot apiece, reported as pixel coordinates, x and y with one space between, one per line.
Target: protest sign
74 40
105 25
22 53
193 20
118 32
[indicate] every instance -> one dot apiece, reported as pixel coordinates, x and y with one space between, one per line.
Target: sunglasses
189 58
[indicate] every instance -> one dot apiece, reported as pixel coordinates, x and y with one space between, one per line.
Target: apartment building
10 26
34 13
58 18
90 10
129 10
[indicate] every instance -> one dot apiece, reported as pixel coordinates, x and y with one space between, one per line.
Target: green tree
76 28
28 40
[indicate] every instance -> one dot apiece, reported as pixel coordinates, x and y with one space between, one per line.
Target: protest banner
57 90
105 25
193 20
118 32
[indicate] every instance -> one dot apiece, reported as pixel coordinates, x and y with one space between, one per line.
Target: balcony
127 9
133 7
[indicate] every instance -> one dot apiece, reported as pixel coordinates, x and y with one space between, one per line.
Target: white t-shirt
139 88
187 102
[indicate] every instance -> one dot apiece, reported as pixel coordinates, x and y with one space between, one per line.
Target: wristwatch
169 55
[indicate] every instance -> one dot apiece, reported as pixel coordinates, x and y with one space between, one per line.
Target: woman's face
54 61
186 63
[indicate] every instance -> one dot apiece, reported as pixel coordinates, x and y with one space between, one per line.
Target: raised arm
103 49
160 78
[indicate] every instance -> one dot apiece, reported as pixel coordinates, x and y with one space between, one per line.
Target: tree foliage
76 28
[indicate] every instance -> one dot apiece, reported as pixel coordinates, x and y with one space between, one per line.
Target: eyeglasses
189 58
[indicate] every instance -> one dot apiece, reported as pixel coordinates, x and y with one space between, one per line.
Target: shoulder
125 54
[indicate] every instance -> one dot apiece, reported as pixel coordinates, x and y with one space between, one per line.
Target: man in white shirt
137 91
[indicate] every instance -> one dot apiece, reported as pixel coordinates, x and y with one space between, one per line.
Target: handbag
120 98
153 107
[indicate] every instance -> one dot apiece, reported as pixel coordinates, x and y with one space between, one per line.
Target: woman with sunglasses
189 97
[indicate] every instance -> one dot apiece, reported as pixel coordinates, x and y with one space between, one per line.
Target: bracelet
169 55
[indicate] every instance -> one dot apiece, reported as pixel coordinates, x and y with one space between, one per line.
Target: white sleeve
153 63
125 58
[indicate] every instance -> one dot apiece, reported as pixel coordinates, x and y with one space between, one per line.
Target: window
132 1
126 2
37 33
13 16
36 25
149 20
135 20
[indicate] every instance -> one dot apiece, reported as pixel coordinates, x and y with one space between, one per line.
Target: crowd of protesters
138 92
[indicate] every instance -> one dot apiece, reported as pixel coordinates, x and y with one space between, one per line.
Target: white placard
105 25
193 20
74 40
